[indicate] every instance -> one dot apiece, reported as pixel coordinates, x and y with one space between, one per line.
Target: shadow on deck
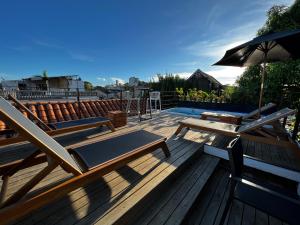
188 188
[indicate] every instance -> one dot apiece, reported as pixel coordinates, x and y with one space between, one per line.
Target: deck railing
40 95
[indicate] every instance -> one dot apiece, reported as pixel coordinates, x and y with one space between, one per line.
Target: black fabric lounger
87 162
95 154
72 123
260 194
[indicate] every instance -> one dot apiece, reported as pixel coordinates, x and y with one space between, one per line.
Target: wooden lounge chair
59 127
86 162
266 197
254 131
235 119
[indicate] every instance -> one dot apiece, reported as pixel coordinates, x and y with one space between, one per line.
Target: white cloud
214 49
120 80
21 48
184 75
217 47
46 44
81 57
103 79
226 75
6 76
187 64
213 15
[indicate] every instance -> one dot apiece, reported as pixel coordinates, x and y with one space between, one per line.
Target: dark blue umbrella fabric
271 47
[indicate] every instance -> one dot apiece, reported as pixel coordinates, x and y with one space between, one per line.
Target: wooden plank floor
272 154
110 197
171 207
209 206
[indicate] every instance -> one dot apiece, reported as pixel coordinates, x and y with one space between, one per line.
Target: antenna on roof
78 97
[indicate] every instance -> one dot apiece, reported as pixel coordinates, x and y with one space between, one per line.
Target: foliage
283 78
45 74
228 93
88 86
280 18
180 93
167 82
248 86
212 97
198 95
282 82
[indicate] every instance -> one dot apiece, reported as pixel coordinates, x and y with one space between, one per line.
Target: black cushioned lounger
260 194
56 128
72 123
92 155
87 162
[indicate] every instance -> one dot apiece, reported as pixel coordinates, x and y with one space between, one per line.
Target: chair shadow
90 202
98 208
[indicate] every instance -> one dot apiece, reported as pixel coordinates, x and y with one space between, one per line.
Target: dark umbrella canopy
271 47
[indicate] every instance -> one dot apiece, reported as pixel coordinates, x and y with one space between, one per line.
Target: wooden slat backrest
37 136
266 120
255 112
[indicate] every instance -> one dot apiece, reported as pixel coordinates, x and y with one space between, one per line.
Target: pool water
193 112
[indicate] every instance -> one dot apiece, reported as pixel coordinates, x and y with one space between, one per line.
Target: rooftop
194 184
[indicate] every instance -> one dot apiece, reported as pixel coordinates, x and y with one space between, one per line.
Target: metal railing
38 94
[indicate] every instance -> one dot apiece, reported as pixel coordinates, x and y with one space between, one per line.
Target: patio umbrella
272 47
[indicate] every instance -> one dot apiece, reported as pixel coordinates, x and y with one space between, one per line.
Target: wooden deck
209 206
187 188
105 200
272 154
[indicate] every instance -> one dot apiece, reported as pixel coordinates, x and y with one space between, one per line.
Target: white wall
10 85
73 84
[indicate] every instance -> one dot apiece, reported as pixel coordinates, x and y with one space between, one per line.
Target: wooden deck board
208 211
272 154
111 197
115 187
177 205
114 179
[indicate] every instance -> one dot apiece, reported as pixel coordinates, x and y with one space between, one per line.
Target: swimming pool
194 112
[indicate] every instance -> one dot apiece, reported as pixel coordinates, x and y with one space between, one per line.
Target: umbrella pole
262 84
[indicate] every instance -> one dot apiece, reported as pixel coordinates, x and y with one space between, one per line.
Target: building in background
10 85
204 81
54 83
133 81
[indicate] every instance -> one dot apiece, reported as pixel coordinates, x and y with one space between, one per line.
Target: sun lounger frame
264 196
258 133
235 119
48 129
18 204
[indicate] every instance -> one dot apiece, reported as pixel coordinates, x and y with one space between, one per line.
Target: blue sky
114 39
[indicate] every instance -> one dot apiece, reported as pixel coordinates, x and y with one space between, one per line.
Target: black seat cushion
272 202
92 155
73 123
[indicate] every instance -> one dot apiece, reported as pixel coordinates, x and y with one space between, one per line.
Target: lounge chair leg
28 186
110 126
179 129
3 188
228 202
165 149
